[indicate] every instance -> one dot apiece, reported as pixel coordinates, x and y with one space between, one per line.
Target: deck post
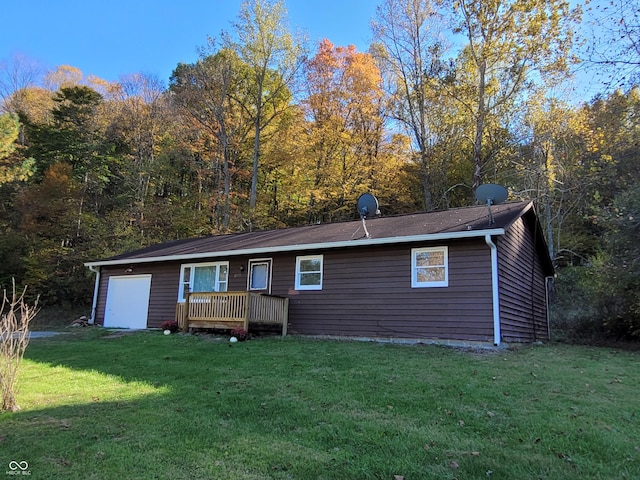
246 310
185 312
285 316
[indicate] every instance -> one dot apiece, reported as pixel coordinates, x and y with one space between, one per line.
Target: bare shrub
15 316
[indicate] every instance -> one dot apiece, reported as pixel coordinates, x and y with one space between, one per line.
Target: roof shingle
461 222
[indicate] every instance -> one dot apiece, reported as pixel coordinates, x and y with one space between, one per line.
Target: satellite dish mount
491 194
367 206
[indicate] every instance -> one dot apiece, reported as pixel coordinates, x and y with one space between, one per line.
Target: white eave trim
304 247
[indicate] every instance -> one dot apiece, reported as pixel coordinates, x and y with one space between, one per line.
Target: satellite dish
367 206
491 194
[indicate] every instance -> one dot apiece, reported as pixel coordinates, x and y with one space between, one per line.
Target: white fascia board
305 247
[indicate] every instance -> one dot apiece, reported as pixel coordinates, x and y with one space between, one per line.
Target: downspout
495 293
95 294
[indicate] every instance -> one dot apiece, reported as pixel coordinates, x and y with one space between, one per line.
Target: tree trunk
480 117
227 190
426 181
254 171
549 227
256 158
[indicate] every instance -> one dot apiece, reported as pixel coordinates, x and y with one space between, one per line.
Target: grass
150 406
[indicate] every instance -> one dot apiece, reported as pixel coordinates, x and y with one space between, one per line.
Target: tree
212 94
16 74
63 205
548 168
12 167
613 48
344 135
508 42
274 58
283 198
410 51
63 76
32 105
138 122
620 277
600 179
49 217
614 140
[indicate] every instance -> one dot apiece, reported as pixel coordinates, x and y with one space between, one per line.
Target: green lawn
149 406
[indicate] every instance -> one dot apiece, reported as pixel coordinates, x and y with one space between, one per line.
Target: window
260 275
309 272
203 277
429 267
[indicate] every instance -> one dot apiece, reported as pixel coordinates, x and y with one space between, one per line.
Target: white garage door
127 301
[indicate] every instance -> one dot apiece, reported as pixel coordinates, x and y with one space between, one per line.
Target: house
458 275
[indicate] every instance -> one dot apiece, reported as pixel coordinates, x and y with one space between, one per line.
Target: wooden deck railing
228 310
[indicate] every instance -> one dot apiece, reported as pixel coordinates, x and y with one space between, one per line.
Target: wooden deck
229 310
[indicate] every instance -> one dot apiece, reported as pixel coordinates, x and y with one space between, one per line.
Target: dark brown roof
453 223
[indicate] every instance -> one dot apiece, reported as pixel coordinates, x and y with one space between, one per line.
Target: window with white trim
429 267
203 277
309 272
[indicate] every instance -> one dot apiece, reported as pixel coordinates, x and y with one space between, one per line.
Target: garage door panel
127 303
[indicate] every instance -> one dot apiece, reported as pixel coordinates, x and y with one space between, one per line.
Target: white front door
127 301
259 278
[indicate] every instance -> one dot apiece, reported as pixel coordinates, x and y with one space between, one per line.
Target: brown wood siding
523 309
163 295
367 293
165 280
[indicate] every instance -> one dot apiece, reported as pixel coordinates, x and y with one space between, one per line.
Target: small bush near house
15 316
170 325
240 333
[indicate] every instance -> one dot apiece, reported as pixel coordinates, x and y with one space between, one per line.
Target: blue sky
113 38
119 37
